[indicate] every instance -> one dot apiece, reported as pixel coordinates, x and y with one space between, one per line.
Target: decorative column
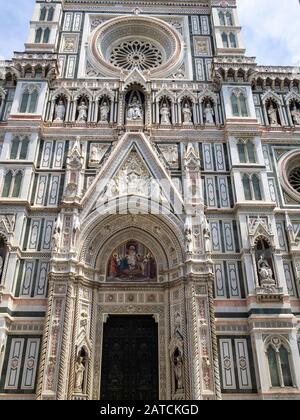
111 113
195 116
121 115
68 111
157 112
179 105
51 112
201 113
52 379
289 116
173 112
148 110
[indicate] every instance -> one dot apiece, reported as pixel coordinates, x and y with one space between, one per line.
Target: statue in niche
265 272
178 370
209 114
165 114
272 113
104 112
82 109
295 115
60 111
188 240
135 110
79 375
187 114
207 237
55 240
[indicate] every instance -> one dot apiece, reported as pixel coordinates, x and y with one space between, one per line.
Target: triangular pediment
132 169
135 77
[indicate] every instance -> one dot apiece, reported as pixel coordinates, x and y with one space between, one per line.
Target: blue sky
271 29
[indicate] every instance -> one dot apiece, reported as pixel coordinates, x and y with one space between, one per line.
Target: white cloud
271 30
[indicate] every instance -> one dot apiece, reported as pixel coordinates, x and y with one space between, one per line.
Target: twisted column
42 366
214 341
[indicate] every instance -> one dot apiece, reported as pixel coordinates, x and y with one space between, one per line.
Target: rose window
294 179
136 54
124 43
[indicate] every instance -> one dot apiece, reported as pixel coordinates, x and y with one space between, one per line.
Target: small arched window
50 14
222 18
38 36
232 39
279 365
14 148
229 19
29 101
246 152
256 188
17 185
225 40
24 102
24 149
247 187
235 105
43 13
274 375
243 105
33 101
239 104
7 184
46 36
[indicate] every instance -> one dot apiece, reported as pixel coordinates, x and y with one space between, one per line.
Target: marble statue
207 237
60 111
209 114
265 272
79 375
55 240
104 112
272 112
165 114
188 239
187 114
296 115
178 370
82 116
135 110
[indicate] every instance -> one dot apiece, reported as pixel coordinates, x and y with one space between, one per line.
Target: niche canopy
128 42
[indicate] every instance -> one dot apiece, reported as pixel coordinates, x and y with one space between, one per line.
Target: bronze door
130 359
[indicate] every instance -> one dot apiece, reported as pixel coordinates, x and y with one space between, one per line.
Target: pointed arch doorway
130 358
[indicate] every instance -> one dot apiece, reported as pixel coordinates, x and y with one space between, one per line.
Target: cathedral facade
149 208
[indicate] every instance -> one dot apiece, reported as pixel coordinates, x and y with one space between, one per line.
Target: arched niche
101 235
135 105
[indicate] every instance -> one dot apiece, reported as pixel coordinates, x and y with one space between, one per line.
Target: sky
271 29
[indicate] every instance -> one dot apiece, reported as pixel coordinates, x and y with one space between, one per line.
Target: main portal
130 358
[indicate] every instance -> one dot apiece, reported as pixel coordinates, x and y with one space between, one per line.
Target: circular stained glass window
142 55
294 178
